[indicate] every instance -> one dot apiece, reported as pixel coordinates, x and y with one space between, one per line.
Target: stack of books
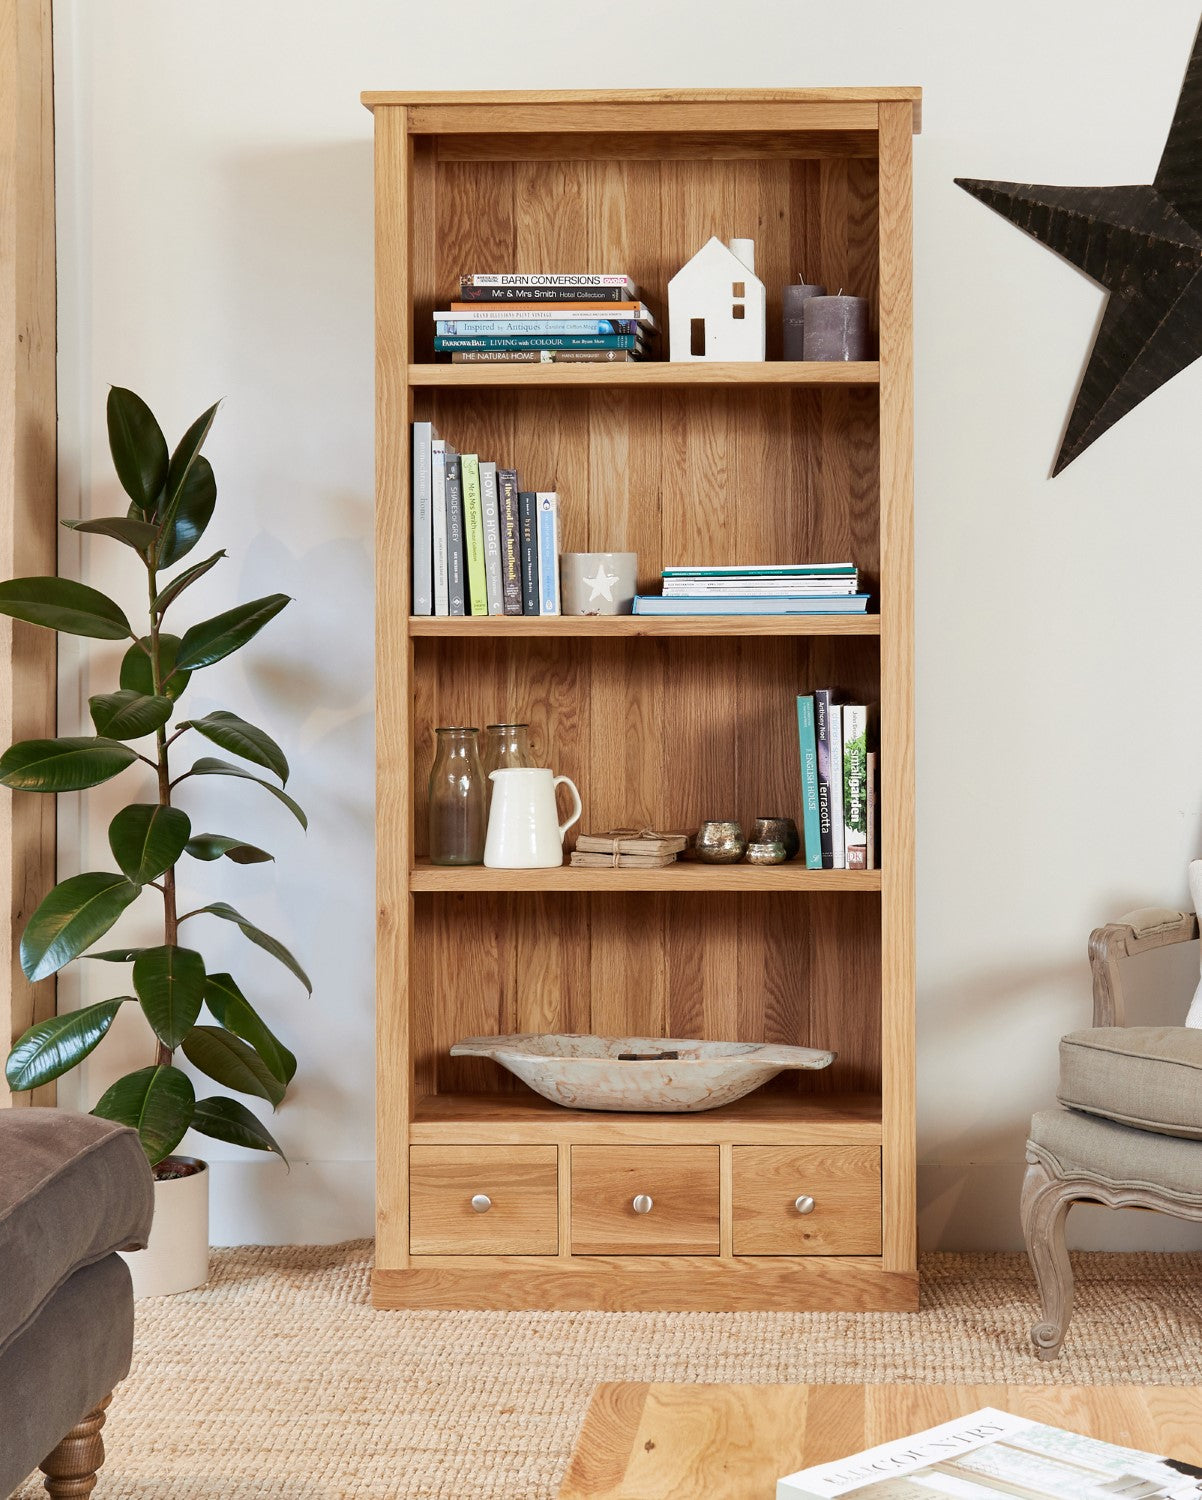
543 317
838 782
628 849
481 544
791 589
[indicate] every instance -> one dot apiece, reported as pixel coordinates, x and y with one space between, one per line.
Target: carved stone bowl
648 1074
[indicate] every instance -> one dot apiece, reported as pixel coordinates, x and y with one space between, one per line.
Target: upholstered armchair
1130 1132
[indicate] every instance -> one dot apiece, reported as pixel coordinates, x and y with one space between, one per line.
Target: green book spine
473 535
809 782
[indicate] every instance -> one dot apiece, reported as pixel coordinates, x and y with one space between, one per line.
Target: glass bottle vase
457 798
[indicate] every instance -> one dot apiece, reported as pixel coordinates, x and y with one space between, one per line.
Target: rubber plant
172 497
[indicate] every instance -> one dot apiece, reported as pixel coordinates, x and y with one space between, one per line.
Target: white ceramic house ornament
716 305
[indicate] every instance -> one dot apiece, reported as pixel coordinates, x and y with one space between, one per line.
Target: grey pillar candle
793 300
835 328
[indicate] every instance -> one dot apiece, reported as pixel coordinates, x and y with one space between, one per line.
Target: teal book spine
809 782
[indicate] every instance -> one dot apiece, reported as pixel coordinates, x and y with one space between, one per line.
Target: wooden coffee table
733 1442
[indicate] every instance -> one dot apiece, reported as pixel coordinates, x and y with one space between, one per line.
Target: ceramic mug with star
598 583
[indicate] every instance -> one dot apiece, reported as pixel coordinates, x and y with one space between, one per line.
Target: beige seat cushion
1083 1145
1146 1076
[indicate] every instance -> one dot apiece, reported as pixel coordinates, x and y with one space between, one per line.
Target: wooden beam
28 478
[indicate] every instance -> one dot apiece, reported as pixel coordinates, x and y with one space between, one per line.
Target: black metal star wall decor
1144 245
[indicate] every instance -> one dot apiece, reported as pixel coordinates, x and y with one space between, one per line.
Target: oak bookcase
661 722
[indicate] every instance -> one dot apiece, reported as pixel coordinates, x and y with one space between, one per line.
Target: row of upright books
543 317
481 544
790 589
838 782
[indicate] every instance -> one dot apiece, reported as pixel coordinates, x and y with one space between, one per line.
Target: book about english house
990 1454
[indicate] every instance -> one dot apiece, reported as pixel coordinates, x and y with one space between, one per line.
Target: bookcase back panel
814 219
802 970
688 475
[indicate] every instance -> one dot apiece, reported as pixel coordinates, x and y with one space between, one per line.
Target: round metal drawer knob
481 1203
643 1203
804 1204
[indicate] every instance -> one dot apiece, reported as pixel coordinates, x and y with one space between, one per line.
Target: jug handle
575 818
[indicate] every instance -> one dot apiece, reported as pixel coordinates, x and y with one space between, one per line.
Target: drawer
680 1184
515 1189
843 1182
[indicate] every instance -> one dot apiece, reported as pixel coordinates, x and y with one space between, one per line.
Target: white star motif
601 584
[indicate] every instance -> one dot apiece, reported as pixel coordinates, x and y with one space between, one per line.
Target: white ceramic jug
524 831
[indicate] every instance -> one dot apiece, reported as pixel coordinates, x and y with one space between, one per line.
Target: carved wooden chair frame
1047 1194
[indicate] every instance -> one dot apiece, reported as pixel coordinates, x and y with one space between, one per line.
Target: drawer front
677 1185
516 1193
842 1182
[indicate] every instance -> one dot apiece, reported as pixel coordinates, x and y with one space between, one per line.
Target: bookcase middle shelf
682 876
484 626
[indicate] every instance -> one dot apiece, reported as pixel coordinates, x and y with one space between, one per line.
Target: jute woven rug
278 1379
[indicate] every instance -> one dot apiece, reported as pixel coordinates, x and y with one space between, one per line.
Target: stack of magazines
543 317
789 589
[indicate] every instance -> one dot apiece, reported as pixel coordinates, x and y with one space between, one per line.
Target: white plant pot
177 1257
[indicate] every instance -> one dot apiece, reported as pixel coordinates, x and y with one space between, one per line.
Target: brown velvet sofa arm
1135 933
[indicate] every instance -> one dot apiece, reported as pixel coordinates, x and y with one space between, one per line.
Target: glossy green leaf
79 910
136 673
127 715
170 983
147 839
157 1102
208 766
239 737
115 955
53 1047
210 846
256 935
231 1062
133 532
172 590
138 447
227 1120
182 462
192 514
62 604
235 1012
66 765
214 639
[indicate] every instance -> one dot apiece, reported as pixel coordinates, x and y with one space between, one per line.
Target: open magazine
989 1454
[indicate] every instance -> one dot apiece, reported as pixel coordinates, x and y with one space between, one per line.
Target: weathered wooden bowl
669 1075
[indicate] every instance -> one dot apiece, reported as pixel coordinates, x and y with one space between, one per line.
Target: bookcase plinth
662 721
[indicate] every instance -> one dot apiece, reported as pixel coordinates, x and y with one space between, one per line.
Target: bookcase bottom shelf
640 1283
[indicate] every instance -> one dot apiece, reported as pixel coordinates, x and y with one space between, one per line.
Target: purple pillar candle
793 300
835 328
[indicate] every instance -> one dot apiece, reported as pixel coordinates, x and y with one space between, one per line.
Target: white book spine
547 510
872 810
438 505
838 841
422 538
550 278
855 785
492 538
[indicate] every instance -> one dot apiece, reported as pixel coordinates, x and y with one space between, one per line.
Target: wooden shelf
682 876
655 373
624 626
761 1118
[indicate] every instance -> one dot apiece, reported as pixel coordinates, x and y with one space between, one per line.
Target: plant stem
163 769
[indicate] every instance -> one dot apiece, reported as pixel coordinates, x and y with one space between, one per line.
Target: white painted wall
215 240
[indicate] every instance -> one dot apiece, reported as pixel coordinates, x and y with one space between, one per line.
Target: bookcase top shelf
489 627
656 373
682 876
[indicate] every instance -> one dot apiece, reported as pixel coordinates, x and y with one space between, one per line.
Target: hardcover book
511 541
822 733
456 576
638 311
548 552
588 325
872 799
855 786
748 604
473 536
562 281
809 782
492 537
544 356
423 534
528 541
438 509
838 834
542 341
539 292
